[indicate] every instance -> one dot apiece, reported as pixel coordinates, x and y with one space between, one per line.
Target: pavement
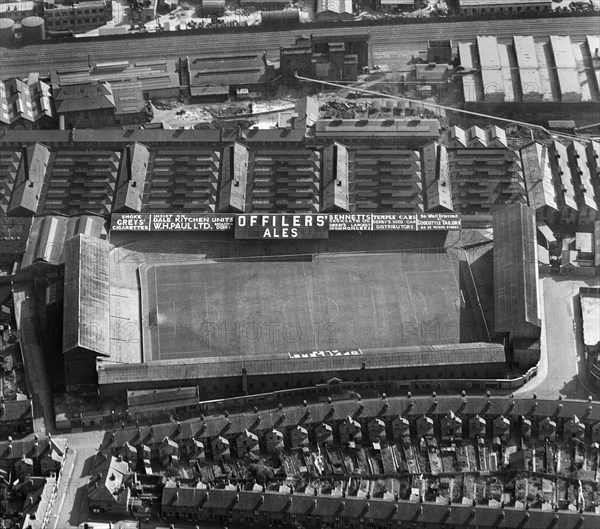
33 358
562 369
70 507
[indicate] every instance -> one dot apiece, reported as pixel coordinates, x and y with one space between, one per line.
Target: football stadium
247 304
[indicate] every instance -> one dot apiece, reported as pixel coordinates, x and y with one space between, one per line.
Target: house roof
347 508
15 410
321 413
13 450
107 484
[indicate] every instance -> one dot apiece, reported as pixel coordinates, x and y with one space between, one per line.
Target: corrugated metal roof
86 295
202 368
515 268
85 96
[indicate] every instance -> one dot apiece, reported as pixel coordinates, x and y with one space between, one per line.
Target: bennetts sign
285 226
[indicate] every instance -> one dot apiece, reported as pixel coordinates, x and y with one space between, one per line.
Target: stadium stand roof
210 367
86 295
516 303
46 242
538 176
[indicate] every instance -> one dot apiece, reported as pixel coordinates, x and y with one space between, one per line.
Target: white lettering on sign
322 354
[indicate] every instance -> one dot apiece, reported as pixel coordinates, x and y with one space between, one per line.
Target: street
565 358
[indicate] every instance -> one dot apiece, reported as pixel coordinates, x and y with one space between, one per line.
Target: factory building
499 7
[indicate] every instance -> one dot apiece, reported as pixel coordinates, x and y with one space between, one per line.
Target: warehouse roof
562 51
525 50
227 69
152 74
84 96
489 56
515 268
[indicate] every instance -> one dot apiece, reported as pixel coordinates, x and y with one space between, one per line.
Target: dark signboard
191 222
438 221
349 222
394 222
282 226
285 226
130 222
170 222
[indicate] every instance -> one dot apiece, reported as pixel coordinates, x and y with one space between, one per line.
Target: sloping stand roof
86 295
515 272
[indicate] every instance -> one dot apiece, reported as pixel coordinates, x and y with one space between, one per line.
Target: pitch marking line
207 315
412 304
312 321
156 305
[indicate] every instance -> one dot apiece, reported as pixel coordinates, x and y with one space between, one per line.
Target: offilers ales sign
282 226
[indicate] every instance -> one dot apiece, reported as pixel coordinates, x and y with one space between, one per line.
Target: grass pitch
344 302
